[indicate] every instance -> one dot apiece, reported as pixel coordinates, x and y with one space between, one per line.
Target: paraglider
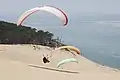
45 59
69 48
56 11
66 61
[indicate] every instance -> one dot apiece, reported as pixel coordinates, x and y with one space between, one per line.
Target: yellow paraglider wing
69 48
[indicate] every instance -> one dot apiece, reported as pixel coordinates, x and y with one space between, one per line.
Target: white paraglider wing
25 15
56 11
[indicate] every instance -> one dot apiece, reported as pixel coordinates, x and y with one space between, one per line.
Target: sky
71 7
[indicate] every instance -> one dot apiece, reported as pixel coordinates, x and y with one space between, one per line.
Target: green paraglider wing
66 61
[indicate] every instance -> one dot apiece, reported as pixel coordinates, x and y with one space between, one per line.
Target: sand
23 62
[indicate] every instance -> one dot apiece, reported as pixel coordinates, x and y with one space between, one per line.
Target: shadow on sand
53 69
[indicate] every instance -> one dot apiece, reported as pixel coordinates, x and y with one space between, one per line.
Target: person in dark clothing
45 59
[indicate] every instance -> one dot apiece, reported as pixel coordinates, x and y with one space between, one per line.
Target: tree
12 34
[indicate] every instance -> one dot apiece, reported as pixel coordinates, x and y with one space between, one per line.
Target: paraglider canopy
69 48
51 9
67 61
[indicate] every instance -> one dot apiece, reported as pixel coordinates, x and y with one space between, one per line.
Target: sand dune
23 62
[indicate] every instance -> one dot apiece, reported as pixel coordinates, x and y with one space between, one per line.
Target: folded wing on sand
67 61
56 11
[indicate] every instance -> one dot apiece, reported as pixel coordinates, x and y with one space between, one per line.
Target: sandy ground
23 62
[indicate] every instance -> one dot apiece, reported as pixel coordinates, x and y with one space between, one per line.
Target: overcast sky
70 6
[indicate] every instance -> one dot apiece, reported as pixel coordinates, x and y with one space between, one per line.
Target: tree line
10 33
